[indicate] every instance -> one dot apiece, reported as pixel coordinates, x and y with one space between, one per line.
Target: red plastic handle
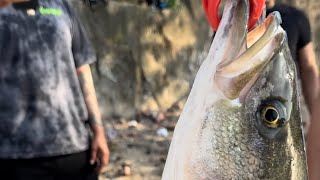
211 10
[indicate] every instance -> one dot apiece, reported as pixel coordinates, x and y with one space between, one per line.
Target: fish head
255 131
272 108
242 117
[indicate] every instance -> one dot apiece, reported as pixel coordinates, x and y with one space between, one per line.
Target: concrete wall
148 59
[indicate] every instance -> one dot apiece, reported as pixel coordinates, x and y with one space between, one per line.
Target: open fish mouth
263 44
242 117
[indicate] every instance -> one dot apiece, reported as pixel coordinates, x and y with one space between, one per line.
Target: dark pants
67 167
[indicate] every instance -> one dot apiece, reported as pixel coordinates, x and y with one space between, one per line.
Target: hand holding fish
242 117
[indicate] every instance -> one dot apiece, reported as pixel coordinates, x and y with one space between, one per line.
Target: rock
126 168
163 132
132 124
147 59
111 134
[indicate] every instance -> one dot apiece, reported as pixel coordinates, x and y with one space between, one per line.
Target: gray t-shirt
42 110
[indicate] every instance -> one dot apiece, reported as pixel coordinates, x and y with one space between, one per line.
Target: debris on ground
132 124
163 132
138 149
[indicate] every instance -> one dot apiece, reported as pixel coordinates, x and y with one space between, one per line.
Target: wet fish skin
280 151
223 135
231 144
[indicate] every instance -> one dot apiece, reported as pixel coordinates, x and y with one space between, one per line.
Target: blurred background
148 57
312 10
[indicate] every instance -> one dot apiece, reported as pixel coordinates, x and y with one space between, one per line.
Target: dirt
138 151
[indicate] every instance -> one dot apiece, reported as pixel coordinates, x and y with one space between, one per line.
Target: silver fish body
242 117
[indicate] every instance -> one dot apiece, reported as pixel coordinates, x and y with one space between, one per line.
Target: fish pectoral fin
232 78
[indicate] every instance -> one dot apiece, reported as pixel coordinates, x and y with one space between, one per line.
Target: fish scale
230 151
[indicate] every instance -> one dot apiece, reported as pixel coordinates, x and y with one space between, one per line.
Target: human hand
4 3
99 148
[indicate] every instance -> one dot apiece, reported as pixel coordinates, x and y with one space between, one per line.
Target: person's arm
84 54
313 143
307 60
309 74
99 147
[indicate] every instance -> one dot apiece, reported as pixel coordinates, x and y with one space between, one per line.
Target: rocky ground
139 146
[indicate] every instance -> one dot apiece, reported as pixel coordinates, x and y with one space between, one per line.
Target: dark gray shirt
42 110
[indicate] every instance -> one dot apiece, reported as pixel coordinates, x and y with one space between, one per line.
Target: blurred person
47 96
298 29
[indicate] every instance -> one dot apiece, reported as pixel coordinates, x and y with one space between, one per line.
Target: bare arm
313 143
87 86
310 80
99 147
309 74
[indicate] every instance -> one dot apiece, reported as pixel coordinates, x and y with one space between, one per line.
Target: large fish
242 117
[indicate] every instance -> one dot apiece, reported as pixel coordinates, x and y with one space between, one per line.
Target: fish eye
272 114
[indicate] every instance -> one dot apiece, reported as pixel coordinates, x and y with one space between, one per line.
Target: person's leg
75 167
34 169
31 169
68 167
6 169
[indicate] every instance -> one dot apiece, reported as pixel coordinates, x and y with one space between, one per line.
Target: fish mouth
244 55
